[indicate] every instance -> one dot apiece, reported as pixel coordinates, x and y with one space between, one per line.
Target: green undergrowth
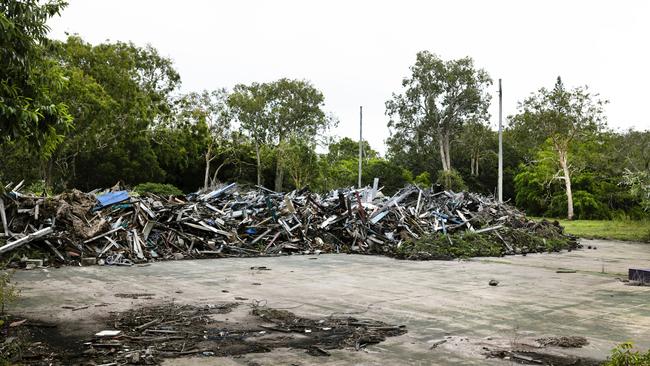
625 355
158 188
469 244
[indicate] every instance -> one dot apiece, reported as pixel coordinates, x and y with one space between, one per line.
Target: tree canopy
438 98
81 115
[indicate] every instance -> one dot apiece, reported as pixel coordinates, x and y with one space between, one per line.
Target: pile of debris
117 227
147 335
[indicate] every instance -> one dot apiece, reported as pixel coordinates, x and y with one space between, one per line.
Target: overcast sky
357 52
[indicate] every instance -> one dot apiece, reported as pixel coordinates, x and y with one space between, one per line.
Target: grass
629 230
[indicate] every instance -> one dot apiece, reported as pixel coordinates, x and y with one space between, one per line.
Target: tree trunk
216 172
206 179
476 160
279 176
47 179
279 172
447 152
443 158
567 182
259 163
471 163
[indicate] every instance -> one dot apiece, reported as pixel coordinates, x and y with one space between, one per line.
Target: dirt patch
149 334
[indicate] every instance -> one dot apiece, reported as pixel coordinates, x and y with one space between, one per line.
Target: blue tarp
111 198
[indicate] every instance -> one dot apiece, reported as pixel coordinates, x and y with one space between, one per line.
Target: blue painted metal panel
111 198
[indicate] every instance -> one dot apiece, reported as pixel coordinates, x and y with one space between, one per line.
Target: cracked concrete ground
434 299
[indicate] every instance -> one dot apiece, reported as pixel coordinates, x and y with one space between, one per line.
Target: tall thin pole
360 141
500 187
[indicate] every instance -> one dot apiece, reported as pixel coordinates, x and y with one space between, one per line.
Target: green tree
563 117
639 184
300 160
391 176
475 141
294 107
272 112
346 148
209 108
29 79
439 97
248 104
119 93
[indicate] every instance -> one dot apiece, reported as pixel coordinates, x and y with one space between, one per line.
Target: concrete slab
433 299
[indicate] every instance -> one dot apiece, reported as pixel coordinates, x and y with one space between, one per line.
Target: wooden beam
26 239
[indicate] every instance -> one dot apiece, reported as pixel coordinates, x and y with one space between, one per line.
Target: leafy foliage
132 125
639 183
29 79
625 355
158 188
451 180
423 180
439 96
9 293
562 118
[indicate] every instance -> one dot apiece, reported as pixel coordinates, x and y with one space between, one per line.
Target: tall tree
294 107
272 112
209 108
346 148
563 117
28 78
438 97
475 139
248 105
118 93
299 159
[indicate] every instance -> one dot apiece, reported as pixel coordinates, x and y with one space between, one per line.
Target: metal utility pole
360 141
500 184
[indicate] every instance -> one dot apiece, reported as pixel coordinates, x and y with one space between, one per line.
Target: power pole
360 141
500 184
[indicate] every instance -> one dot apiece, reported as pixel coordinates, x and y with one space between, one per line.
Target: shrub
8 293
624 355
423 180
158 188
451 180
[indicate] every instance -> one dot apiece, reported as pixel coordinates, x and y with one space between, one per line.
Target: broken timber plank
58 254
26 239
102 235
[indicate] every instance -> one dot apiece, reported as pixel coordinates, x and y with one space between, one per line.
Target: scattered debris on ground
567 342
550 350
122 228
542 358
150 334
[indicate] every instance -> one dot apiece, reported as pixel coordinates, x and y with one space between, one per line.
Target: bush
423 180
451 180
38 188
158 188
8 293
624 355
391 176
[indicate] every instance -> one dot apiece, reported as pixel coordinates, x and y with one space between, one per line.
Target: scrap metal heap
122 228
